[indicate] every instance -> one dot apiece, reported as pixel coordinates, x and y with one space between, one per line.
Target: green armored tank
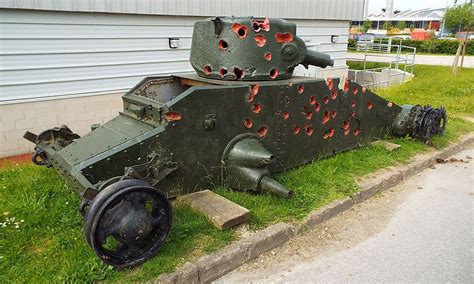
238 120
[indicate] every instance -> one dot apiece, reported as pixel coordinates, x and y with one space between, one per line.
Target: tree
401 25
367 26
387 25
459 16
412 27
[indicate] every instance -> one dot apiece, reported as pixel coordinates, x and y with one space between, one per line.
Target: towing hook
39 158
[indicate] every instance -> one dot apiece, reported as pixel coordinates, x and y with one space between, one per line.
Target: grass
48 245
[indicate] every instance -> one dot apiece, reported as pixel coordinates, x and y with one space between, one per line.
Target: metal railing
399 60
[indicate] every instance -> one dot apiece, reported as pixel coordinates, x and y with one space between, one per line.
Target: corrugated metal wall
296 9
46 54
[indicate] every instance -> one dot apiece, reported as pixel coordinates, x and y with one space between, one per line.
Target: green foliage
401 25
459 16
352 43
437 46
412 27
387 25
366 26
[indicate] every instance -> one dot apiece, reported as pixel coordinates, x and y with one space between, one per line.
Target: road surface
443 60
419 231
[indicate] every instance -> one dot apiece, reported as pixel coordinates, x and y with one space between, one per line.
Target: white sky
377 5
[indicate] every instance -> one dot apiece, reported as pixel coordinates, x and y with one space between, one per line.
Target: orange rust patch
309 130
257 108
326 99
262 131
317 107
370 105
389 104
283 37
296 130
334 94
312 100
260 40
207 69
240 30
248 123
268 56
173 116
286 115
259 25
326 117
300 89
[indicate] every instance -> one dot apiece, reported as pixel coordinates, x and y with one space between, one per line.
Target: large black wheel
127 223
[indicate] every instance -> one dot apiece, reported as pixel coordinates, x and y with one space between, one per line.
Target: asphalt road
443 60
420 231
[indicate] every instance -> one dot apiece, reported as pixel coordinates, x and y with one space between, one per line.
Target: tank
240 118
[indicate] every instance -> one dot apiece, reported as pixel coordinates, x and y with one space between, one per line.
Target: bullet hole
370 105
273 73
278 112
326 100
389 104
250 98
223 44
240 30
346 127
262 131
286 115
356 132
317 107
334 94
300 89
326 117
239 73
222 72
309 115
353 105
268 56
259 25
296 130
346 86
364 89
329 134
309 130
172 116
355 90
329 83
312 100
254 89
283 37
207 69
260 40
334 114
248 123
257 108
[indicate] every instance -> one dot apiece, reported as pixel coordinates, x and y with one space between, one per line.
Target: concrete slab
222 212
387 145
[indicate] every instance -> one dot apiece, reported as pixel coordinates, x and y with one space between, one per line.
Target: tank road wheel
127 223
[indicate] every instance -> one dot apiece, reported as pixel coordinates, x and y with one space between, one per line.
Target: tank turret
250 49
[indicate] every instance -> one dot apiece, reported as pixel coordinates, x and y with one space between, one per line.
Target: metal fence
398 61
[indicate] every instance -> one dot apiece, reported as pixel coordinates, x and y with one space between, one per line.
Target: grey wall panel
295 9
46 54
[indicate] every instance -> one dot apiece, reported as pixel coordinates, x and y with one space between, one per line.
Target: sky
377 5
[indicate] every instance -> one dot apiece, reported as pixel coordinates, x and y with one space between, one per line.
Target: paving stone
222 212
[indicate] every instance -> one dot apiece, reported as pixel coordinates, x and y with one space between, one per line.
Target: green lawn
47 246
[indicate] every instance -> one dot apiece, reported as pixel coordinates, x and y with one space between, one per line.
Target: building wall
71 68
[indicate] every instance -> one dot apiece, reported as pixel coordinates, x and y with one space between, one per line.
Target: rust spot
356 132
326 117
273 73
346 127
254 89
286 115
300 89
223 45
283 37
329 134
257 108
240 30
355 90
309 130
334 94
250 98
317 107
239 72
326 100
312 100
268 56
353 104
334 113
207 70
364 89
222 72
296 130
309 115
262 131
370 105
346 85
260 40
329 83
389 104
259 25
248 123
173 116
